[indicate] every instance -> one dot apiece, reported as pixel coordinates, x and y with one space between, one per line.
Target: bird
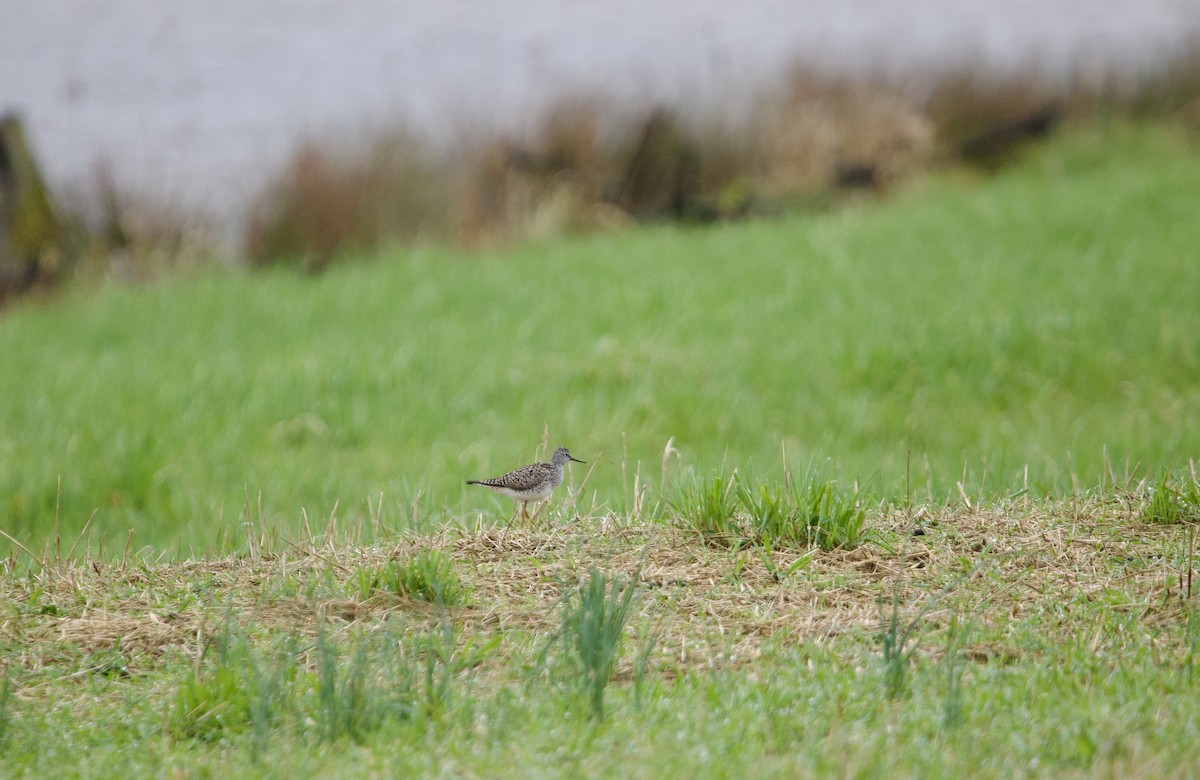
530 483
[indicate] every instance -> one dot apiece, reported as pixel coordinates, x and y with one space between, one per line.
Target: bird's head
562 455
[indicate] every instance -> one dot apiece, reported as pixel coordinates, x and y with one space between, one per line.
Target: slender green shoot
954 665
594 625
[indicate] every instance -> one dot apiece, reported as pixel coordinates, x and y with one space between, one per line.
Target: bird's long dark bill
577 460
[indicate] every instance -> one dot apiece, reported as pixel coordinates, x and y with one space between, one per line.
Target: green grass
1064 649
708 506
811 511
1037 329
593 626
1026 346
1173 499
429 576
1105 716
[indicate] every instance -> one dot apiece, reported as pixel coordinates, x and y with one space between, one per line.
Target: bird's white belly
525 495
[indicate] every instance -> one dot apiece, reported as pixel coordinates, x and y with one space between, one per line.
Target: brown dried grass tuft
825 132
344 197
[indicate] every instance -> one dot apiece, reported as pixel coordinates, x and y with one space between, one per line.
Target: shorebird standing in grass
530 483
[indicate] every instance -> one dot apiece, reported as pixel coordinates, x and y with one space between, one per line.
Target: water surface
197 101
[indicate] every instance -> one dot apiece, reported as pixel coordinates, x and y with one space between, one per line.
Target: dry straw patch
708 605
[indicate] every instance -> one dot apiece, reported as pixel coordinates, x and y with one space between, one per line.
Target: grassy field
1038 329
1024 639
953 437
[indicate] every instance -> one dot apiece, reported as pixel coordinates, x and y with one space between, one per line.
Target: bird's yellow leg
538 509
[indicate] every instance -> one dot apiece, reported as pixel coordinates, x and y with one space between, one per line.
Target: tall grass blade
593 625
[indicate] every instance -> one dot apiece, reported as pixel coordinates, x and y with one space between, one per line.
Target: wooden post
30 231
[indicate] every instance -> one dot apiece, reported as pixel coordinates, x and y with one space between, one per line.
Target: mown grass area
1037 329
1027 638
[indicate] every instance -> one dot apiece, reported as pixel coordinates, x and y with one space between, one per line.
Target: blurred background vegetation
591 163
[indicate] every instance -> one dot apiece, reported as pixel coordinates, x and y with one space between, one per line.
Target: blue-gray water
195 101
